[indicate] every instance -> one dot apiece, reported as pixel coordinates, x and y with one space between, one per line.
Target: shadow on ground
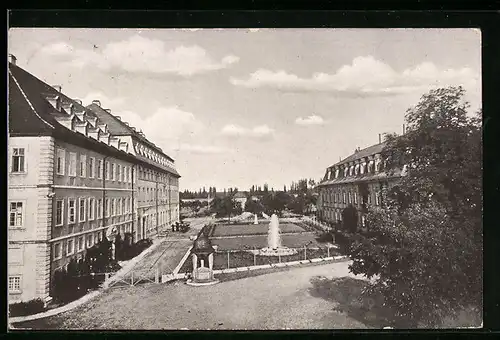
348 295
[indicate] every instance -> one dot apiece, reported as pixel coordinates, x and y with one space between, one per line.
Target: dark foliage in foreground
426 242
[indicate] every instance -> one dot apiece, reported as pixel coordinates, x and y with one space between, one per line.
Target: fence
227 259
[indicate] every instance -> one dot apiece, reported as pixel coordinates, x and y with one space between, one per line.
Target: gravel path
273 301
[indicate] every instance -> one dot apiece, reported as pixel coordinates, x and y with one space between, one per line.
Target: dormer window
346 170
337 173
54 101
68 107
356 169
351 170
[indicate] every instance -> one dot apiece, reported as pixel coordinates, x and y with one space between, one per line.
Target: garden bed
246 259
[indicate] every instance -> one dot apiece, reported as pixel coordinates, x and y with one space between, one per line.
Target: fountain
256 220
274 247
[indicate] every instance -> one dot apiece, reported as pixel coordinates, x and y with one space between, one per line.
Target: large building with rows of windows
357 180
75 173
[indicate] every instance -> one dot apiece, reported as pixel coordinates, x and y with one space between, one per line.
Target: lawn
260 241
252 229
246 259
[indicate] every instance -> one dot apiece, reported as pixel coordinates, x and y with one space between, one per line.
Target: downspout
133 205
169 203
104 171
156 199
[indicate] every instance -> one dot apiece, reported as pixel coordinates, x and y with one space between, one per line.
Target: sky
237 107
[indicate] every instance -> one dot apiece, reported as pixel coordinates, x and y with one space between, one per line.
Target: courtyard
290 299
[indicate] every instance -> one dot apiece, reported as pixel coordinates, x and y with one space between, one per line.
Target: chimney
57 87
118 117
12 59
404 129
97 102
379 138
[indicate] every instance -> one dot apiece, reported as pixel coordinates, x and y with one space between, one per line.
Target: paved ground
289 299
167 254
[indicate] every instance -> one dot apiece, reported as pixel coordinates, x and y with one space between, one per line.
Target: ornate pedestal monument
201 255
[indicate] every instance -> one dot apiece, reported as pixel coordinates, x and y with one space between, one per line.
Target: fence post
279 258
132 278
305 253
254 257
328 250
228 259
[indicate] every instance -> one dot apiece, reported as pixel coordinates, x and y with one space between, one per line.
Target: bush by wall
26 308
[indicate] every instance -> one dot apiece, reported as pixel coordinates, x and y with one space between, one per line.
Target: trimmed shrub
26 308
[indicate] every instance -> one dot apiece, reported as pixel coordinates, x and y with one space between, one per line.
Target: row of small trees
76 279
80 276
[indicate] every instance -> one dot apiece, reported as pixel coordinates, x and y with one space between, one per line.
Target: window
90 240
128 205
72 164
99 168
57 251
344 197
119 206
91 208
60 161
59 212
113 173
355 198
369 198
124 210
106 207
99 208
18 160
70 247
80 243
113 207
91 167
14 284
71 210
107 171
83 209
82 168
16 214
118 172
127 175
349 195
377 198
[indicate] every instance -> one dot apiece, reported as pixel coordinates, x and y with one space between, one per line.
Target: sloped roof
30 114
371 150
119 128
240 194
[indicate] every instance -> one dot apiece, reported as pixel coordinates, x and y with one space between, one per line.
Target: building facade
71 181
358 180
157 186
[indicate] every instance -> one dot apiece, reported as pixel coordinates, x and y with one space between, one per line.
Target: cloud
365 76
310 120
260 131
203 149
139 54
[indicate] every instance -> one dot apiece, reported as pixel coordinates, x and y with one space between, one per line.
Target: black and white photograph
244 179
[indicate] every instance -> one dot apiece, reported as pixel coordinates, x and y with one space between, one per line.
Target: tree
254 207
426 242
350 219
225 206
